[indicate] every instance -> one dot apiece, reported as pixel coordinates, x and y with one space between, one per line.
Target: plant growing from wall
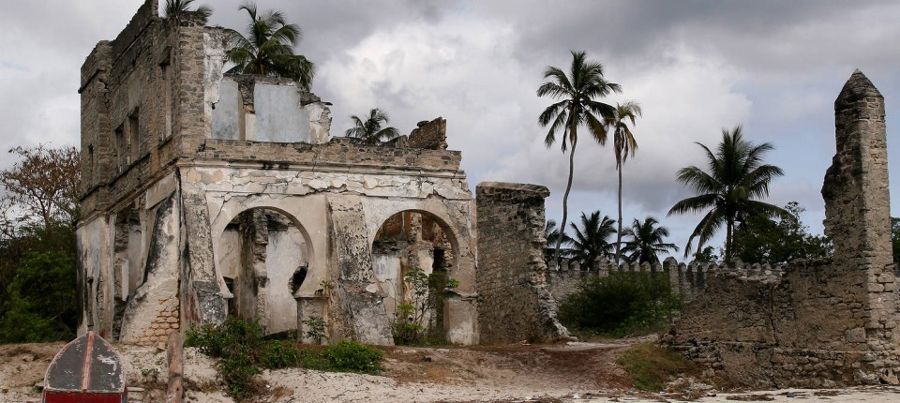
418 317
315 328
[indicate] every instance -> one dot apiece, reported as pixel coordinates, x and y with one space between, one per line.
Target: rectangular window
121 148
134 134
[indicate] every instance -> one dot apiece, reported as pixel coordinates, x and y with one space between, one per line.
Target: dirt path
573 372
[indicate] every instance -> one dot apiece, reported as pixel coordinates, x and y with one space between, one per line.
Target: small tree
42 188
43 304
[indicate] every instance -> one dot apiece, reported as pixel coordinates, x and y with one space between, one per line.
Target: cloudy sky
695 67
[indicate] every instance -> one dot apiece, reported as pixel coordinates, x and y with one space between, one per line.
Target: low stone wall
685 279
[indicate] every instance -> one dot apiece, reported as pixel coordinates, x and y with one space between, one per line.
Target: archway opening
263 259
412 259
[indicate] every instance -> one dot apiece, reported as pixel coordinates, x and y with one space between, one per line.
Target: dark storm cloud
695 66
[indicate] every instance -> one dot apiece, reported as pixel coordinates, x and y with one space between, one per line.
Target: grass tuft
651 366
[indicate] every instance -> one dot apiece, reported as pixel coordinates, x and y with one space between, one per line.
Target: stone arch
460 234
261 253
436 244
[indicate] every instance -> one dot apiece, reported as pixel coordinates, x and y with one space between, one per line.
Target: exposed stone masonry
685 279
825 323
514 300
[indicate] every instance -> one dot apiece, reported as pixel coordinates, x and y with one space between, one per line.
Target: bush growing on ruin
621 304
244 352
417 318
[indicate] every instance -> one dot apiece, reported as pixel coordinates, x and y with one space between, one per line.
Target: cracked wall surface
823 323
177 152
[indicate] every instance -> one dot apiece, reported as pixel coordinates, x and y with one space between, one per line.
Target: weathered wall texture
514 301
176 152
685 279
823 323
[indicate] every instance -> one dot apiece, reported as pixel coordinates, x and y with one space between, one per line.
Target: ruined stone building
820 323
207 195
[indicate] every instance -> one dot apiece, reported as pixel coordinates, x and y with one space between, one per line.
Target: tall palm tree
552 233
176 9
623 145
737 177
370 130
577 107
647 240
268 48
592 239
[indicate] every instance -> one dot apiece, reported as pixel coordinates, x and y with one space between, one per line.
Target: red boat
87 370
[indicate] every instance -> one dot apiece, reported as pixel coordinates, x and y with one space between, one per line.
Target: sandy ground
573 372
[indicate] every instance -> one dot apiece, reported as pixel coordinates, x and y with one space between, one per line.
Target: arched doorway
413 259
263 259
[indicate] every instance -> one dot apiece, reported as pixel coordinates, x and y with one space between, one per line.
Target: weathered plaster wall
268 109
514 301
823 323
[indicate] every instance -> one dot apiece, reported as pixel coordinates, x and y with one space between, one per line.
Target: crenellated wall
685 279
824 323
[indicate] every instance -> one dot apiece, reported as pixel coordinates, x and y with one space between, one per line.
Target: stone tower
857 210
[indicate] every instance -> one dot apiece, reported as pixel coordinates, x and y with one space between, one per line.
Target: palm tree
591 240
370 130
737 177
268 48
176 9
552 233
577 91
623 145
646 241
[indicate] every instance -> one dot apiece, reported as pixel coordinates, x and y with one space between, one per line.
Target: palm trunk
619 232
728 235
565 216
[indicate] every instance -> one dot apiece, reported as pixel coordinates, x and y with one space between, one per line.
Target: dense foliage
620 304
244 352
762 239
38 272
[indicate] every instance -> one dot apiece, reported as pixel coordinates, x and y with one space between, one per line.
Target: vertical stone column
360 306
857 211
514 299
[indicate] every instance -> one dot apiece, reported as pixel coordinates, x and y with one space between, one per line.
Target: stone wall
514 303
685 279
822 323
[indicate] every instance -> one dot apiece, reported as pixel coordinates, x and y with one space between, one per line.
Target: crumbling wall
514 301
823 323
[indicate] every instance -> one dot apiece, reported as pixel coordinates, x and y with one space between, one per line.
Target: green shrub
621 304
42 295
243 352
651 366
351 356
